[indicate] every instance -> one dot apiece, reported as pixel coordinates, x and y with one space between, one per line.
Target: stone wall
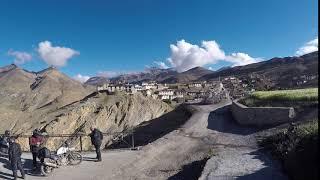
261 116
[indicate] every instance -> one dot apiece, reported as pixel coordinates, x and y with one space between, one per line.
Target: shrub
297 149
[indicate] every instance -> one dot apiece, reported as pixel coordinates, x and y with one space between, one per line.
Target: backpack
97 135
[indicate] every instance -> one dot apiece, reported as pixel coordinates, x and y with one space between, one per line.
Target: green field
293 98
310 94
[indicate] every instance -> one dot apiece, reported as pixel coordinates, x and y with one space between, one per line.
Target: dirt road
180 153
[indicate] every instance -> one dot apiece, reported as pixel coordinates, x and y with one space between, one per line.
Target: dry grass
297 97
310 94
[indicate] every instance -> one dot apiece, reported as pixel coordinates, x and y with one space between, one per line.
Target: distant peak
13 65
49 69
8 68
223 68
198 68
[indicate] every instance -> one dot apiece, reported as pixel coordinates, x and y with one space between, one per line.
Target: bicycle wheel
74 158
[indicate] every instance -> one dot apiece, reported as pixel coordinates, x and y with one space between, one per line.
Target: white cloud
185 56
81 78
55 55
20 57
240 59
161 64
210 68
309 47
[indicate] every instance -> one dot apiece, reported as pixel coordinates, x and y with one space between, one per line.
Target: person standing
35 141
4 144
96 139
15 158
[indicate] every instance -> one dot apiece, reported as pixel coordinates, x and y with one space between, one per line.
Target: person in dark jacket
4 144
35 141
96 139
15 158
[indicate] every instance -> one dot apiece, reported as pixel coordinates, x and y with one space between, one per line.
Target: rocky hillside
110 113
57 104
27 91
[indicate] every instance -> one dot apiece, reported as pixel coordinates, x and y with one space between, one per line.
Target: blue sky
126 36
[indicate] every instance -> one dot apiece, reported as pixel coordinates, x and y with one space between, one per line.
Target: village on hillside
199 91
211 91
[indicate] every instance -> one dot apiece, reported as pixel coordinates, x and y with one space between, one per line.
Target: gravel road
209 131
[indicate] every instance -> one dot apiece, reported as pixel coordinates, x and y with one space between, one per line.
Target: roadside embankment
297 148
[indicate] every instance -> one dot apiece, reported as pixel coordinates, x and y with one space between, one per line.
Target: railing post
80 143
132 139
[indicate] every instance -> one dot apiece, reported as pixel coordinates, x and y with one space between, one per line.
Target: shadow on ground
85 158
190 171
26 163
5 162
152 130
272 169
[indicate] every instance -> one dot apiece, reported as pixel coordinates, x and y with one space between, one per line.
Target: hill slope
158 75
189 75
97 81
56 104
281 72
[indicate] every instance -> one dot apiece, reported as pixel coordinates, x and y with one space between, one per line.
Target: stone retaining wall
261 116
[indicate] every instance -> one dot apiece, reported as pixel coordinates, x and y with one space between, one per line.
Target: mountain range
56 103
278 71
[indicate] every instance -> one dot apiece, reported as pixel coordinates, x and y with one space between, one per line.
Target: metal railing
115 137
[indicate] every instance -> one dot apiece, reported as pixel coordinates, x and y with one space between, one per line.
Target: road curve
210 130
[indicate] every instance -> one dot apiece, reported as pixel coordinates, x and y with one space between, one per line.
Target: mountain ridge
272 69
280 71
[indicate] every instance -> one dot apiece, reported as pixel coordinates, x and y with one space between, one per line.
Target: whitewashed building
195 85
167 92
103 87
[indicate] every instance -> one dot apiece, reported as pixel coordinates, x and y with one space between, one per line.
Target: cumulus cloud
161 64
185 56
20 57
55 55
240 59
81 78
309 47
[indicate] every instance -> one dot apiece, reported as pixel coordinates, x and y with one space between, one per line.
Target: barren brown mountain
57 104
